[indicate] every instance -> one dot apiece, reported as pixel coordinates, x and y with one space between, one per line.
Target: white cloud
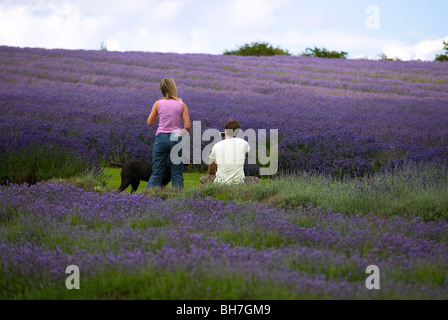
196 26
355 44
169 9
254 14
399 50
201 40
10 29
54 26
360 45
424 50
123 25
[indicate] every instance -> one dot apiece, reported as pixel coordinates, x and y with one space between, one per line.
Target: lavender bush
345 119
417 189
33 156
337 117
273 253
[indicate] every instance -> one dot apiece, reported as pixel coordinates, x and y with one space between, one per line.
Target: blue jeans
160 153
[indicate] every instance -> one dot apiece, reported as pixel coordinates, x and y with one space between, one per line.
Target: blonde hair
168 88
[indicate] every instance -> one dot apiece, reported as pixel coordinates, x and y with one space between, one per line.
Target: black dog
134 171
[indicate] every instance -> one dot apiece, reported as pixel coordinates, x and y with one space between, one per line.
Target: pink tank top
170 113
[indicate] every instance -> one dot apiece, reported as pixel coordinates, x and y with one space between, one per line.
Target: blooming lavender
308 252
339 117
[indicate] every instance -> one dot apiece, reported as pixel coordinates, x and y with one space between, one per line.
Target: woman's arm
186 118
154 114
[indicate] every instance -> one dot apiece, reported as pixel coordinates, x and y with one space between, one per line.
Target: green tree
103 46
258 49
324 53
384 57
443 57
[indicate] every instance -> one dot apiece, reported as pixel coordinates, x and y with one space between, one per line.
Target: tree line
265 49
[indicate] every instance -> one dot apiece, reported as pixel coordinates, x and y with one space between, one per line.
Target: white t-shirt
229 155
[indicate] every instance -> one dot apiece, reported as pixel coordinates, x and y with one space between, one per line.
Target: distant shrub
443 57
34 158
324 53
103 46
258 49
384 57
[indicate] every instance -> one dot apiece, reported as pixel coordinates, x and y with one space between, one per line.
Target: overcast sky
407 29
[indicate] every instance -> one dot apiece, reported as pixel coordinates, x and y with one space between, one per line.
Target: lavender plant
274 253
32 156
341 117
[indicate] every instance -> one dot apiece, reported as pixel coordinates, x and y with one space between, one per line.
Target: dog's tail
116 165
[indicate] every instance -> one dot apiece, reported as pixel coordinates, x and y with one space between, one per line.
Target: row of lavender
305 252
333 116
414 79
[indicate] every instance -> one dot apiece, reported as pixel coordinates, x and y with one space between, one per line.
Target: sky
406 29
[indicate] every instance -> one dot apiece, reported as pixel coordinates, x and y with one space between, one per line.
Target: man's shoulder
230 143
241 141
233 141
219 144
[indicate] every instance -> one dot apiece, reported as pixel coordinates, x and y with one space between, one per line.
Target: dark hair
234 128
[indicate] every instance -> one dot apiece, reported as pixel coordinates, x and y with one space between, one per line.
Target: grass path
191 180
414 190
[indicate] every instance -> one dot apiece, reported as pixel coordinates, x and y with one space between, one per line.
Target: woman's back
170 114
170 110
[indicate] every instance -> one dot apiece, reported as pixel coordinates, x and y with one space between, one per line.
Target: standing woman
169 110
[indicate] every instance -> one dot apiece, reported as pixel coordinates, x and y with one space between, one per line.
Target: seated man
227 158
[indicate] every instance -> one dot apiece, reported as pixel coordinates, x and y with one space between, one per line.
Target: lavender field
333 116
375 126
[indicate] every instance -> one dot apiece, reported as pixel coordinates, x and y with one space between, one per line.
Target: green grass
414 190
410 191
164 285
180 285
113 180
